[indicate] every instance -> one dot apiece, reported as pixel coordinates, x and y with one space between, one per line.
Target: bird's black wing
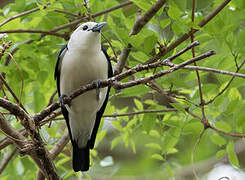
57 77
58 66
102 109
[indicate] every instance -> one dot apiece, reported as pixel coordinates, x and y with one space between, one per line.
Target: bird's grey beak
98 27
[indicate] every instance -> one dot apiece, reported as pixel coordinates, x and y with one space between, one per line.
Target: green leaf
172 151
231 154
157 157
179 107
153 146
148 122
135 91
220 154
171 139
164 23
223 126
234 94
174 12
154 133
62 161
42 76
145 5
115 141
149 43
133 145
138 104
217 139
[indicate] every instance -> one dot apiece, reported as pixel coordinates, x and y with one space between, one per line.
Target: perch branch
111 81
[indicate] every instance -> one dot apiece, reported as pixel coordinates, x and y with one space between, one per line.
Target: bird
82 61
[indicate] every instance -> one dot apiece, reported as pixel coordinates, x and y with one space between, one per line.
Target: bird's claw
62 100
97 85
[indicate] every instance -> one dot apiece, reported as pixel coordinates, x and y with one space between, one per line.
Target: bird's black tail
80 158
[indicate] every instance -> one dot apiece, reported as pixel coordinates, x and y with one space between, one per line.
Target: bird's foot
63 98
96 83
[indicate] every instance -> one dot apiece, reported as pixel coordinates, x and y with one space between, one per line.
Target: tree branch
11 91
54 152
11 132
206 165
228 84
161 73
75 22
6 160
207 69
140 22
144 19
187 35
111 81
38 150
20 15
141 112
34 31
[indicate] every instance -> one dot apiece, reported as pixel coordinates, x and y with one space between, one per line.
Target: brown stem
187 35
20 15
140 22
34 31
111 81
7 159
228 84
193 153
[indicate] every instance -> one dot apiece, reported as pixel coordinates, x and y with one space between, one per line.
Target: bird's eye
85 27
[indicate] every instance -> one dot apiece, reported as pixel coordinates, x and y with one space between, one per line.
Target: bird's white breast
77 69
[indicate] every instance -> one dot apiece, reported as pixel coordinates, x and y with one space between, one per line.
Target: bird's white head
86 37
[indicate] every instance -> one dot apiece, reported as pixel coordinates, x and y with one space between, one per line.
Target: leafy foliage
148 144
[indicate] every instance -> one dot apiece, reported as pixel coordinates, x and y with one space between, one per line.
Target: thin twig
6 160
193 153
111 81
59 146
202 102
227 133
75 22
68 13
11 91
34 31
214 128
21 77
207 69
40 154
55 151
187 35
161 73
140 22
50 117
51 99
140 112
88 9
12 51
6 141
206 165
109 42
227 85
20 15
